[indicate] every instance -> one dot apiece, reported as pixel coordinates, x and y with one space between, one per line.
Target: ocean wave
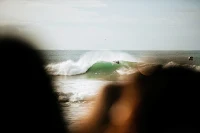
90 61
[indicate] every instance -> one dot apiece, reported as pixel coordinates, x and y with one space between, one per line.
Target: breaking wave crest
93 62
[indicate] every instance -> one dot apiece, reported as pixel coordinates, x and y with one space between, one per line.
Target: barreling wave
98 62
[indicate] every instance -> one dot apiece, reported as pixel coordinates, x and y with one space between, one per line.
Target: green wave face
108 70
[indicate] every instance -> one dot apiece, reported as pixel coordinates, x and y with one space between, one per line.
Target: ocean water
78 75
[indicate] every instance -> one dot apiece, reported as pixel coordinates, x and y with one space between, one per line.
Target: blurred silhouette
169 100
157 99
28 101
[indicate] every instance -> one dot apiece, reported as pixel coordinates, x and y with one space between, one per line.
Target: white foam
126 71
71 67
79 90
171 63
81 96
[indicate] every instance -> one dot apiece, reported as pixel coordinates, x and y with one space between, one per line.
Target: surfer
190 58
117 62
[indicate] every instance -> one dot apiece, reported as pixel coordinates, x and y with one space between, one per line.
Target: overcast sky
107 24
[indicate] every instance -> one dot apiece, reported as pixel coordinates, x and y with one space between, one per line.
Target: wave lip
87 61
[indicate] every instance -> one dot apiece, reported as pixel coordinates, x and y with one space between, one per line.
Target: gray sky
107 24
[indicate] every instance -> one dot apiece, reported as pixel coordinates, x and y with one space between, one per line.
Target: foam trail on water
71 67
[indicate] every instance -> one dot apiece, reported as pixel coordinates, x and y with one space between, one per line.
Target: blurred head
28 101
169 100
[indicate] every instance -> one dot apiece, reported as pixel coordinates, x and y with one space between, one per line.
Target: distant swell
171 63
93 62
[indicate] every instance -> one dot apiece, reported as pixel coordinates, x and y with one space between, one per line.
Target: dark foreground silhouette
158 99
28 101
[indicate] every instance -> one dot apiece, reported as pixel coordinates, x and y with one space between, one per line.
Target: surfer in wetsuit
116 62
190 58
